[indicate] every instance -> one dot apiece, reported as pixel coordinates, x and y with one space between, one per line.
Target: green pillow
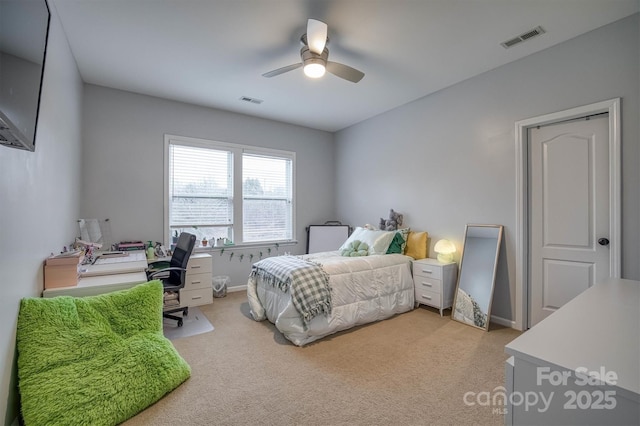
96 360
404 233
397 244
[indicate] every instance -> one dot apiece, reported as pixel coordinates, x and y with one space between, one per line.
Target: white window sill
245 246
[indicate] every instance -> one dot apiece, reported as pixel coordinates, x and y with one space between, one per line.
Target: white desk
99 284
109 275
596 331
135 261
130 256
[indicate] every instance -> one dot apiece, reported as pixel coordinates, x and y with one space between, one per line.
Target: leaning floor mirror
480 251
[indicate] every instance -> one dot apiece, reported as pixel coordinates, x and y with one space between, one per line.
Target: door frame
522 127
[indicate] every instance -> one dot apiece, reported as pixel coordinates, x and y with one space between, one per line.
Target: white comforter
363 290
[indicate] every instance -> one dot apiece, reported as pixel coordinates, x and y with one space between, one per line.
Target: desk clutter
131 246
170 300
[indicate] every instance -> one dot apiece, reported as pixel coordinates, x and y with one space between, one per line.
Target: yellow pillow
417 245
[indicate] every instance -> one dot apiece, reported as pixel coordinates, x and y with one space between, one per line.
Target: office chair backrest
180 257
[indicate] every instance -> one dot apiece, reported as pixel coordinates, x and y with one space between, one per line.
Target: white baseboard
237 288
503 321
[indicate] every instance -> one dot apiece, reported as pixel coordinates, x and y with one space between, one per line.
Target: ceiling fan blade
344 71
282 70
316 35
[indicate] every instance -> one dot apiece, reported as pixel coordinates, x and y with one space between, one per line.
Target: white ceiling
212 52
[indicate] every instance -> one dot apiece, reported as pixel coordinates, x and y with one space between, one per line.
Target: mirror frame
493 278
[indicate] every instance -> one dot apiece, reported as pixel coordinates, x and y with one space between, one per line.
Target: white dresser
197 287
434 283
580 365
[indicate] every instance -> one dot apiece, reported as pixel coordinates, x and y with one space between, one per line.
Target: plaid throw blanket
307 282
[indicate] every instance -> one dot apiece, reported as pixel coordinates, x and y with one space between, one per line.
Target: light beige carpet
413 369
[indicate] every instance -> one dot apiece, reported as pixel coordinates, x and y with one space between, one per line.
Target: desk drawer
199 297
197 281
199 264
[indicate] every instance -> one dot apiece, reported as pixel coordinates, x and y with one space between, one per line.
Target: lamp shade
445 250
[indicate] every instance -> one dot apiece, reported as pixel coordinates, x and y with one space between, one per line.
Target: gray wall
448 159
123 151
39 201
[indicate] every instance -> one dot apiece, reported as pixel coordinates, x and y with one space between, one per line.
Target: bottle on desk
151 253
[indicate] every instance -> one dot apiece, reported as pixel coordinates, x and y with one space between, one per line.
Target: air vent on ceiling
523 37
252 100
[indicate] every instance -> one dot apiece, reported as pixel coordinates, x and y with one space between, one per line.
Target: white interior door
568 212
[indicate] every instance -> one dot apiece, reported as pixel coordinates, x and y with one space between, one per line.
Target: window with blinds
201 178
266 198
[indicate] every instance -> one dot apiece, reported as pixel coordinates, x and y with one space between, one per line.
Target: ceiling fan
314 54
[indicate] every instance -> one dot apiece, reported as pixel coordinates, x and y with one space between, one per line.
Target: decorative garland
241 256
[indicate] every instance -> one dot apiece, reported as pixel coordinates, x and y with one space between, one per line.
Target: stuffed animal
356 248
391 224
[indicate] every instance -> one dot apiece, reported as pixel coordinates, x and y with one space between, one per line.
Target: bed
363 289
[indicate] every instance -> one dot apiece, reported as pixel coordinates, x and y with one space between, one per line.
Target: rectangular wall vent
251 100
522 37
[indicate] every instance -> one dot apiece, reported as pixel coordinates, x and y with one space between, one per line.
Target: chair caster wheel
186 312
179 323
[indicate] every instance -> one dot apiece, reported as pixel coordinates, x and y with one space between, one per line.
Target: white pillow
378 241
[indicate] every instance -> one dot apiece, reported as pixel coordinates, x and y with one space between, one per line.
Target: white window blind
267 198
200 187
200 181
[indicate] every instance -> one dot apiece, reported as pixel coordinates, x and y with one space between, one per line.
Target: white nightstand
434 283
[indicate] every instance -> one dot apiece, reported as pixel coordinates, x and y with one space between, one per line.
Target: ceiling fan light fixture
314 65
314 57
314 69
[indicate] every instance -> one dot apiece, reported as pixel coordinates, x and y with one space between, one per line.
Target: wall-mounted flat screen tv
24 28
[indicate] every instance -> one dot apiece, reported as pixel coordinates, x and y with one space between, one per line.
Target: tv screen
24 27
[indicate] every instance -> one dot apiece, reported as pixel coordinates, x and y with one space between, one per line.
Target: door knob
603 241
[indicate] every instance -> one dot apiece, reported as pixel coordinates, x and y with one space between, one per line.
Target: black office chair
173 277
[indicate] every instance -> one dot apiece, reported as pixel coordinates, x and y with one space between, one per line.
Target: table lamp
445 250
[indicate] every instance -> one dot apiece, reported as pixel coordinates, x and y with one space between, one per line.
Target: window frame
238 199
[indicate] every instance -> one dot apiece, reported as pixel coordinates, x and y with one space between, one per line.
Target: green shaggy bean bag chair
95 360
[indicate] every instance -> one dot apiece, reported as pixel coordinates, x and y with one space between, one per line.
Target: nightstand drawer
428 297
197 281
426 270
199 297
427 284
